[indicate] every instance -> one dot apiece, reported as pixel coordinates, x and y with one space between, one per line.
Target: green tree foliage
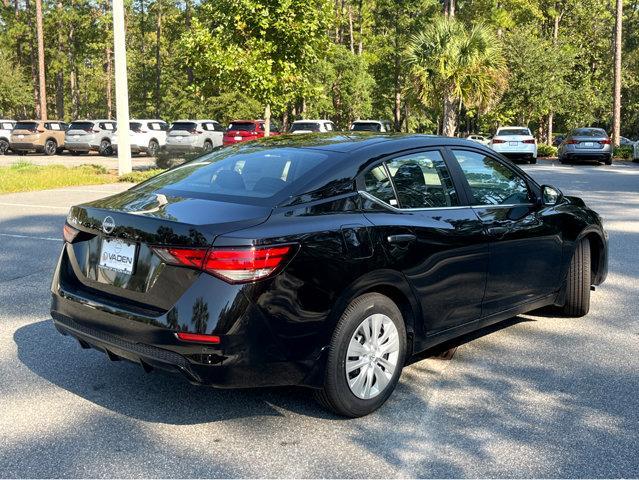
15 89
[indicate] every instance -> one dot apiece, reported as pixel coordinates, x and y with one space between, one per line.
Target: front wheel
208 146
50 147
578 282
365 357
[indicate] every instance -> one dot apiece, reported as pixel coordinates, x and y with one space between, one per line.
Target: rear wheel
50 147
365 358
208 146
533 160
105 149
578 282
608 161
4 147
153 148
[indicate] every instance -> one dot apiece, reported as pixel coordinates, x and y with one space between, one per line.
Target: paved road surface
140 162
539 396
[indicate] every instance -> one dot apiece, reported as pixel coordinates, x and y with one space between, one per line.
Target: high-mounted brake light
498 140
69 233
234 265
198 337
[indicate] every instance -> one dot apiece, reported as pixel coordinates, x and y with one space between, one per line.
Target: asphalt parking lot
534 397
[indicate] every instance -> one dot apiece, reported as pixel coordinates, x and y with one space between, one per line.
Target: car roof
312 120
371 121
147 120
192 120
513 126
93 120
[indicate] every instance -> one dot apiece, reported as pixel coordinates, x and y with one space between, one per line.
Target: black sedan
323 261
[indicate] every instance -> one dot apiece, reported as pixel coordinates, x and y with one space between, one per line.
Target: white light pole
121 89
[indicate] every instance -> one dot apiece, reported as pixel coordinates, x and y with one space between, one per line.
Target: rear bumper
179 148
24 146
520 151
78 146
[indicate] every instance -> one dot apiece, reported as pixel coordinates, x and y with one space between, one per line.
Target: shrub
624 152
544 150
140 175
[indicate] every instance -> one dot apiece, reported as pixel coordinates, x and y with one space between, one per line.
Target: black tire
208 146
533 161
608 161
4 146
153 148
50 147
105 149
578 282
336 394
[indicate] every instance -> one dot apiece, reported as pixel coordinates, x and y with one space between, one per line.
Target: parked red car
245 130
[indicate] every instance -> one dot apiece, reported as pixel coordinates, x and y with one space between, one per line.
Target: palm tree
456 65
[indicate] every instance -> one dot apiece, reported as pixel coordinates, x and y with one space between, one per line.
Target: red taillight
234 265
532 140
96 130
572 141
605 142
198 337
69 233
498 140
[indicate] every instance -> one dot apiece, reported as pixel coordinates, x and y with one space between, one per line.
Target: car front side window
490 181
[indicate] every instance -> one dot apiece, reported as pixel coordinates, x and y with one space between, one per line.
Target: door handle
401 238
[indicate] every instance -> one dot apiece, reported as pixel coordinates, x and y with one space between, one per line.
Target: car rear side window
422 180
157 126
6 126
107 126
490 181
378 184
255 173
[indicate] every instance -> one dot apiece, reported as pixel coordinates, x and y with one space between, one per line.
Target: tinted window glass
183 126
422 181
491 182
86 126
249 173
366 127
514 131
589 132
31 126
243 126
135 127
309 126
107 125
157 126
379 185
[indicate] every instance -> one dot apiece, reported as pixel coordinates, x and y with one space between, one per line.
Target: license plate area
513 144
117 255
589 144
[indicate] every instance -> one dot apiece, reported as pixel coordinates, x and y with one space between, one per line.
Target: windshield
243 174
242 126
308 126
183 126
514 131
589 132
86 126
30 126
366 127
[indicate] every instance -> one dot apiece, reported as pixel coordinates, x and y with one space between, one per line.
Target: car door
525 241
430 234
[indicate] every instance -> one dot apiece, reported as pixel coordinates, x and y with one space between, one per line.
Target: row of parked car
150 136
588 143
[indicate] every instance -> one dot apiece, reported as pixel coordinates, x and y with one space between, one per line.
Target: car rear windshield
183 127
249 175
30 126
514 131
86 126
309 126
589 132
366 127
243 126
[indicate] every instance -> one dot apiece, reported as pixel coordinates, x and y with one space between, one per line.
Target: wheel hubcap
371 359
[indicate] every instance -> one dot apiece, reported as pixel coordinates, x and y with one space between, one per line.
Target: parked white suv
146 136
82 134
5 132
516 143
478 138
380 126
194 136
312 126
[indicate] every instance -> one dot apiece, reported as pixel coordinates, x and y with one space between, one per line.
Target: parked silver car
82 135
145 135
5 133
194 136
586 143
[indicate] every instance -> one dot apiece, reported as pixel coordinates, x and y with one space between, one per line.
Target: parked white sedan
516 143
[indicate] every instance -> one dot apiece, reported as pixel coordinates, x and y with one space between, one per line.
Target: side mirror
550 195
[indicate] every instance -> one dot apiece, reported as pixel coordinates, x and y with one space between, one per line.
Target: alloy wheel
50 147
372 356
153 148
